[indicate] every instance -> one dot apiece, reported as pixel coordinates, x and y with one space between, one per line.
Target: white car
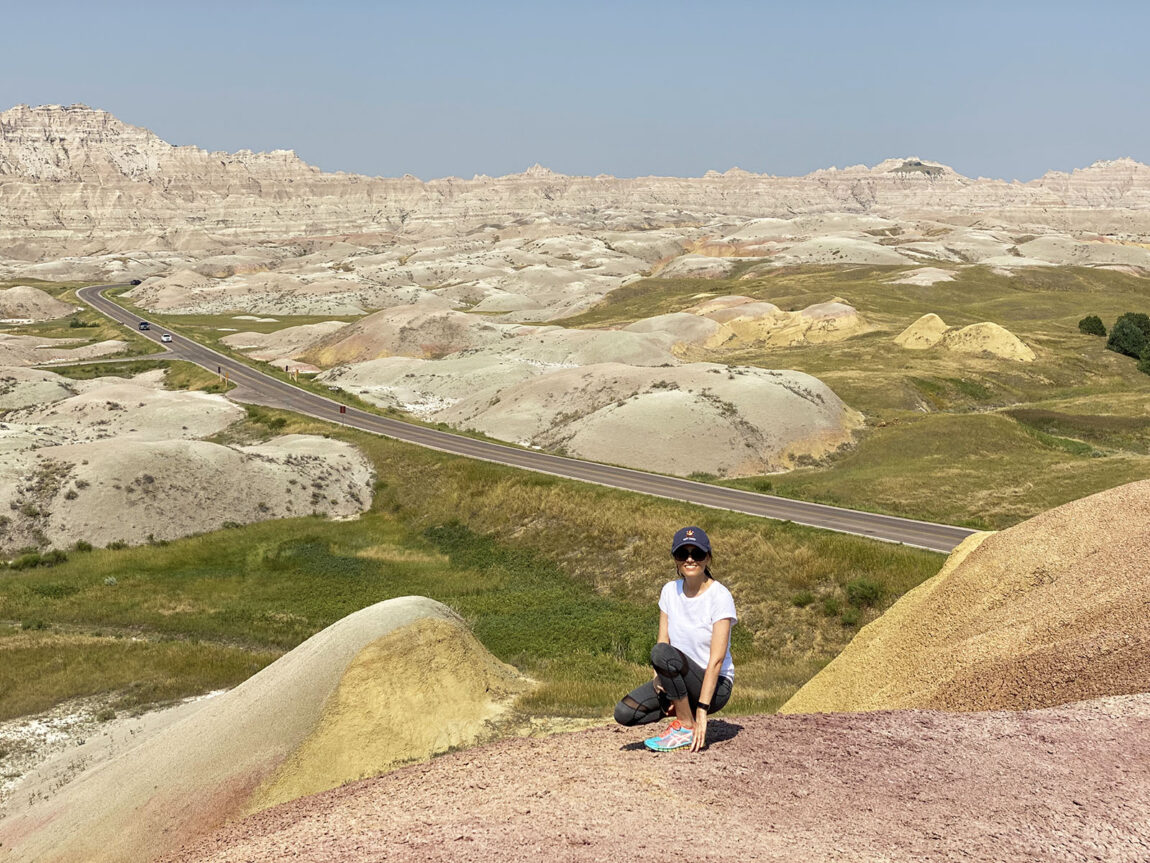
166 337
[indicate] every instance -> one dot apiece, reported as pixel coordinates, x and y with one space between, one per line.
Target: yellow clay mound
924 333
393 683
423 689
983 338
988 338
1050 611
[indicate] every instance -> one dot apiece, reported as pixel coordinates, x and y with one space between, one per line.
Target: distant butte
76 173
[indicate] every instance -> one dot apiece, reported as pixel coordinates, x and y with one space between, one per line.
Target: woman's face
694 560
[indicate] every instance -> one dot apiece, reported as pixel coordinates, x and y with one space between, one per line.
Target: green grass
963 439
557 577
178 374
561 578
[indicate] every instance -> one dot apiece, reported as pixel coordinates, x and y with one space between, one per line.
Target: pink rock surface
1060 784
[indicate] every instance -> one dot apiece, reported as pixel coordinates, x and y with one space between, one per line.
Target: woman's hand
700 737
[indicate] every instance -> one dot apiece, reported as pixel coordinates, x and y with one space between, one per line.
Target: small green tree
1126 337
1140 320
1144 363
1092 325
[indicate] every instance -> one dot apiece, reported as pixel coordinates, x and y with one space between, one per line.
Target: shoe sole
655 747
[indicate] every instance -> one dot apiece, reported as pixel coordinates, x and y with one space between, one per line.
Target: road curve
259 388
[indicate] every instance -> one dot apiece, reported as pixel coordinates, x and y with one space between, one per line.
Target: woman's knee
666 657
625 715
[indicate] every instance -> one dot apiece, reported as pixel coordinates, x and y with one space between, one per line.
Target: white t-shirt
691 620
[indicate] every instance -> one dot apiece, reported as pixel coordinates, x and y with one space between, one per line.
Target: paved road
258 388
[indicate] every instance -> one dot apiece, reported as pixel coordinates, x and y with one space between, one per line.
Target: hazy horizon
1005 91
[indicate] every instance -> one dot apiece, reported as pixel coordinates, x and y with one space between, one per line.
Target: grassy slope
561 578
969 440
557 577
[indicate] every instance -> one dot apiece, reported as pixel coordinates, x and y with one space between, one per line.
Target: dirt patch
1051 785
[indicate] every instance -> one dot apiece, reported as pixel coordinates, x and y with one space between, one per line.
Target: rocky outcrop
75 174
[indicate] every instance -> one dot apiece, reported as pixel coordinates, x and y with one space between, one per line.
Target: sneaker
675 737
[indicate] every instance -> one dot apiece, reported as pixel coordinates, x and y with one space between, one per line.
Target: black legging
679 677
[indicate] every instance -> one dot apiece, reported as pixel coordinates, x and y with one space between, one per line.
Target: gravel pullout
1061 784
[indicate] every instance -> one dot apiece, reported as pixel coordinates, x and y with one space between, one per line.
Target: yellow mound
1051 611
393 683
988 338
924 333
423 689
983 338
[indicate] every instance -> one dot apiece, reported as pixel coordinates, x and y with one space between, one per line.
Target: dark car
144 325
134 282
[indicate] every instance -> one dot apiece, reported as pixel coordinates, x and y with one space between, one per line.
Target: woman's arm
720 635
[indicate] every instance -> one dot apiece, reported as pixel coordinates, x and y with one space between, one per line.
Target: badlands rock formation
73 174
445 270
66 473
1050 611
981 339
395 682
25 304
733 421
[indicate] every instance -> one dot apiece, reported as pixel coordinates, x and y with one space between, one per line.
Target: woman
692 658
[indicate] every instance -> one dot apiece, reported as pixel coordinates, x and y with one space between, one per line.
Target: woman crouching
692 658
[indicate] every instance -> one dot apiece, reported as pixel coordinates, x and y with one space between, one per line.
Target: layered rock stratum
76 176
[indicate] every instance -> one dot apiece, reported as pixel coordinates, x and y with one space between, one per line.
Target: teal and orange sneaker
675 737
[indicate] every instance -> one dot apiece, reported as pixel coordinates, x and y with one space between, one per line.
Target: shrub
33 624
1144 363
116 545
851 617
864 592
82 545
1092 325
802 599
1140 320
1126 337
53 557
832 606
26 561
32 559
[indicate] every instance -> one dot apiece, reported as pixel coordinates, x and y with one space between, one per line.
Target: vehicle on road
134 282
144 325
166 337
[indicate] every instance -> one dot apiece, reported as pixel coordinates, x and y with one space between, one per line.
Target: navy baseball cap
695 536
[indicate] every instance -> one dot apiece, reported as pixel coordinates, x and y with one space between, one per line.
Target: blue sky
448 88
